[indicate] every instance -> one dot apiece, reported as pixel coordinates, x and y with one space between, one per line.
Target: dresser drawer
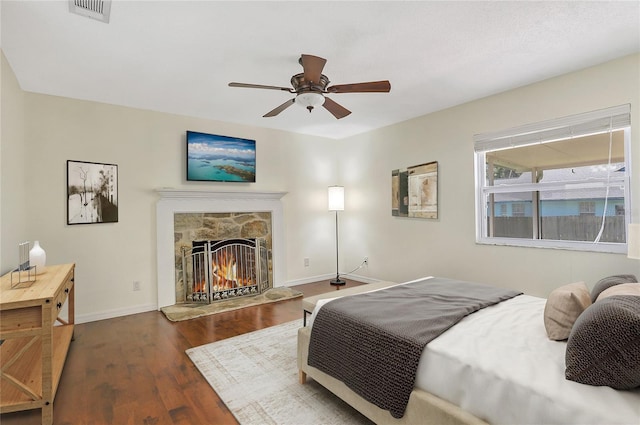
61 296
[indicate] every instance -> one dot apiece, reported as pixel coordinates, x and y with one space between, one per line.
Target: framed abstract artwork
92 192
414 191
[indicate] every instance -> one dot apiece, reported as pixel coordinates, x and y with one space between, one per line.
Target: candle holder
25 273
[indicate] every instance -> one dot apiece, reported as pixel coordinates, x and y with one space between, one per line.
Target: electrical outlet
306 262
366 261
136 285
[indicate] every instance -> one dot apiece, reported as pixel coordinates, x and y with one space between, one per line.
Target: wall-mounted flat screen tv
215 158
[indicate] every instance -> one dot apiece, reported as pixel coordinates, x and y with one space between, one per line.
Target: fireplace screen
219 270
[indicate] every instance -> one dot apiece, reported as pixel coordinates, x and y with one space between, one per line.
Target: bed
496 365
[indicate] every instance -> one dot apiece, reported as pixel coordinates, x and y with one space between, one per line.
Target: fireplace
223 269
248 212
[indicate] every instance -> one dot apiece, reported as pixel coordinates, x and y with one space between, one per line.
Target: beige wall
14 167
402 249
148 147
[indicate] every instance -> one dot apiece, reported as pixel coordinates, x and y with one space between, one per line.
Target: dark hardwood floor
134 370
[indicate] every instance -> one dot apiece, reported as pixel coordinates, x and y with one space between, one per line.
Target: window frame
548 132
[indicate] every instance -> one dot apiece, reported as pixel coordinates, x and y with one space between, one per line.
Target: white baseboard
363 279
357 278
110 314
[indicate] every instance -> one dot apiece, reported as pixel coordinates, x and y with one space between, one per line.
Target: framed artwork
215 158
414 191
92 192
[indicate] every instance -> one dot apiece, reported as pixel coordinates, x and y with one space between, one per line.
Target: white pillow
621 289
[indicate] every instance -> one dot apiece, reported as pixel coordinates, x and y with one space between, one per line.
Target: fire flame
224 273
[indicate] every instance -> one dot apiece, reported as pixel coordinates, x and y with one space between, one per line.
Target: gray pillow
604 344
610 281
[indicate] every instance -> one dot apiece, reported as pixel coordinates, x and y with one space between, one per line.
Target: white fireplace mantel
174 201
170 193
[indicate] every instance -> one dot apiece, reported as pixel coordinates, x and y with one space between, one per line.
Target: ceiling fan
310 87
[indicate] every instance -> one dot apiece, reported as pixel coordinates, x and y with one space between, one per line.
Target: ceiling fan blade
280 108
370 87
335 109
312 66
259 86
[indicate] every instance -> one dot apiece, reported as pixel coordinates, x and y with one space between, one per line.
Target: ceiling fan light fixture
311 85
310 100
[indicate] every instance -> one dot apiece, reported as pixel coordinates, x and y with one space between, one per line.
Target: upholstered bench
309 303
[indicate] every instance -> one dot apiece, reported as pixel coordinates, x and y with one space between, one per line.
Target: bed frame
423 407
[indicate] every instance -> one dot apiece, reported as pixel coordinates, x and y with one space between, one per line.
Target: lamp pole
336 203
337 282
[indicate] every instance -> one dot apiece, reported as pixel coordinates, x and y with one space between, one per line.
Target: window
562 183
587 208
517 209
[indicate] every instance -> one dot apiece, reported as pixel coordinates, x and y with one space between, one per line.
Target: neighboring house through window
562 183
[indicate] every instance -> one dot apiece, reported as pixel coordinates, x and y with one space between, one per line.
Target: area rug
178 312
256 376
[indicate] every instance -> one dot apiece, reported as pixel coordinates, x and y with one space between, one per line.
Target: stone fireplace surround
194 201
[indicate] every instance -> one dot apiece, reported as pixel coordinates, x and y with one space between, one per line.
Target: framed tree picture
92 192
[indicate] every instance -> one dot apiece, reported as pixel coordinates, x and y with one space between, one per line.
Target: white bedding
499 365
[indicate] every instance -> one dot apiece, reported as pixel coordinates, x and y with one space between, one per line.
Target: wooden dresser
34 346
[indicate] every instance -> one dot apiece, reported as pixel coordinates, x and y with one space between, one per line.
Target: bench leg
302 377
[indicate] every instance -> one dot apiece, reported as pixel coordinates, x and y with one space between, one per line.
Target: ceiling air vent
95 9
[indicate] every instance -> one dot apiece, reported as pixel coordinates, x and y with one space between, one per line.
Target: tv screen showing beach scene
215 158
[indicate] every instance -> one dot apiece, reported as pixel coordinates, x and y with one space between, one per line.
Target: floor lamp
336 203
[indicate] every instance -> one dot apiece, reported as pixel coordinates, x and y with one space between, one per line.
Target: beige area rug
256 376
178 312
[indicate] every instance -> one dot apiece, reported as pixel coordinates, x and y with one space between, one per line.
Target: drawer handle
59 305
66 290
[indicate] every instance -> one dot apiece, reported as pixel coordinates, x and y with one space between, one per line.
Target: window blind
599 121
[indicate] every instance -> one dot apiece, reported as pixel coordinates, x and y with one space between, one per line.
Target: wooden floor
134 370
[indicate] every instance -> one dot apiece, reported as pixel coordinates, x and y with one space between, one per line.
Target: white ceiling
179 56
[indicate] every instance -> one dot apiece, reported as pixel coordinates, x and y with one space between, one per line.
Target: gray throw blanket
373 342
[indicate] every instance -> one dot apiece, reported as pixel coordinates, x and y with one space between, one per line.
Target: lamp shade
336 198
633 241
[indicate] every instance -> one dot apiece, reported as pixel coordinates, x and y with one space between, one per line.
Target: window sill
603 247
